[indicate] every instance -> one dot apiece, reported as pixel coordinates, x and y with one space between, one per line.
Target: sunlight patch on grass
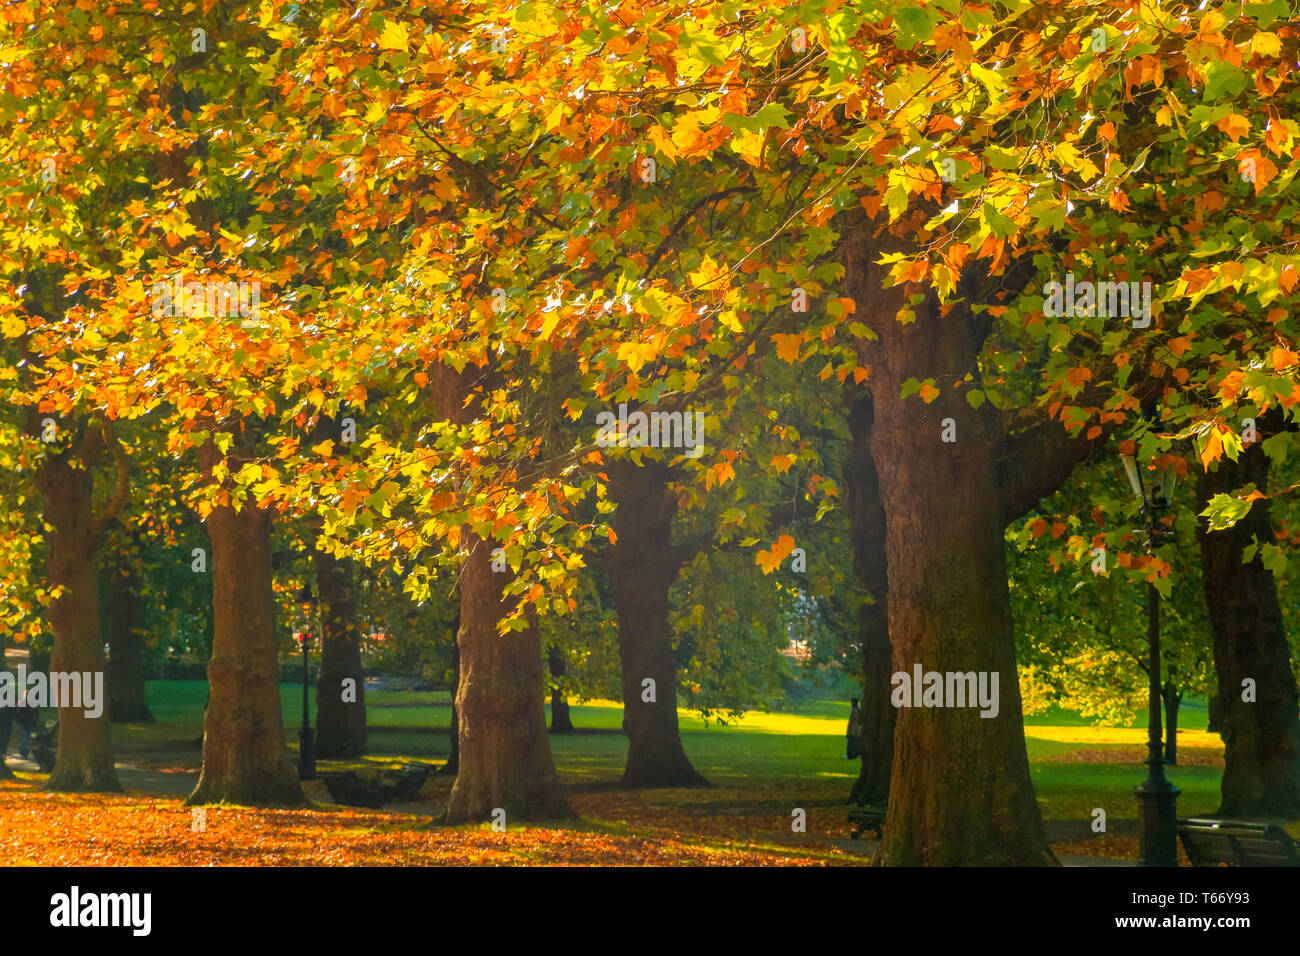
1121 736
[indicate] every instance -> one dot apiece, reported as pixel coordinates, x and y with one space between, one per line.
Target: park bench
351 790
865 817
1234 843
408 781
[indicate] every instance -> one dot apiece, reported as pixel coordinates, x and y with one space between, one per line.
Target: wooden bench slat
1237 842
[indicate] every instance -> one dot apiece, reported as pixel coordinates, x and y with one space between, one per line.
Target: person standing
6 726
26 718
854 734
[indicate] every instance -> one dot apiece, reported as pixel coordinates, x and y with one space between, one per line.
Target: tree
867 521
340 707
244 757
644 566
561 721
85 752
126 642
1257 685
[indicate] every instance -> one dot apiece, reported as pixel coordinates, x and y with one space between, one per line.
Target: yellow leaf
12 326
555 117
393 37
635 354
1266 44
662 141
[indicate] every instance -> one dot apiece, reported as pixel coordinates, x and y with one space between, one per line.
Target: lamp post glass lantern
306 747
1157 798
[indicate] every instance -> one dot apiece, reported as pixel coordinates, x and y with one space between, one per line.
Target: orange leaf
1213 450
1284 358
1235 125
769 561
787 346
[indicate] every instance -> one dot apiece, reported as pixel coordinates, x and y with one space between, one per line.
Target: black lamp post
306 748
1157 798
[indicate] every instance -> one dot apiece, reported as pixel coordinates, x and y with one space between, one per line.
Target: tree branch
123 489
1037 462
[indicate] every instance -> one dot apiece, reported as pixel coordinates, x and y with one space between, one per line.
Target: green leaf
1224 80
1223 511
915 25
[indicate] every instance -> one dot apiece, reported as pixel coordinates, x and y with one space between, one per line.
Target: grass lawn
762 767
803 749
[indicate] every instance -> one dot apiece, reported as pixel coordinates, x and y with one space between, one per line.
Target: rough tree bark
85 753
244 756
340 724
504 756
127 703
867 532
505 753
1261 775
644 565
561 720
960 791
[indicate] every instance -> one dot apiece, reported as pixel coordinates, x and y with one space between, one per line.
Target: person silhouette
853 736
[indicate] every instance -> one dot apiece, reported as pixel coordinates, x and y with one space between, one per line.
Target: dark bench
867 818
1235 843
44 746
351 790
408 781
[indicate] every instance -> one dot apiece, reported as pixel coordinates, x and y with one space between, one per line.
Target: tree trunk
1214 714
126 693
561 721
867 531
1261 775
452 766
340 724
960 789
244 756
1172 698
644 566
505 753
85 753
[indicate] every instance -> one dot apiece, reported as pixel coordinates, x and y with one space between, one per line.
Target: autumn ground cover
762 767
